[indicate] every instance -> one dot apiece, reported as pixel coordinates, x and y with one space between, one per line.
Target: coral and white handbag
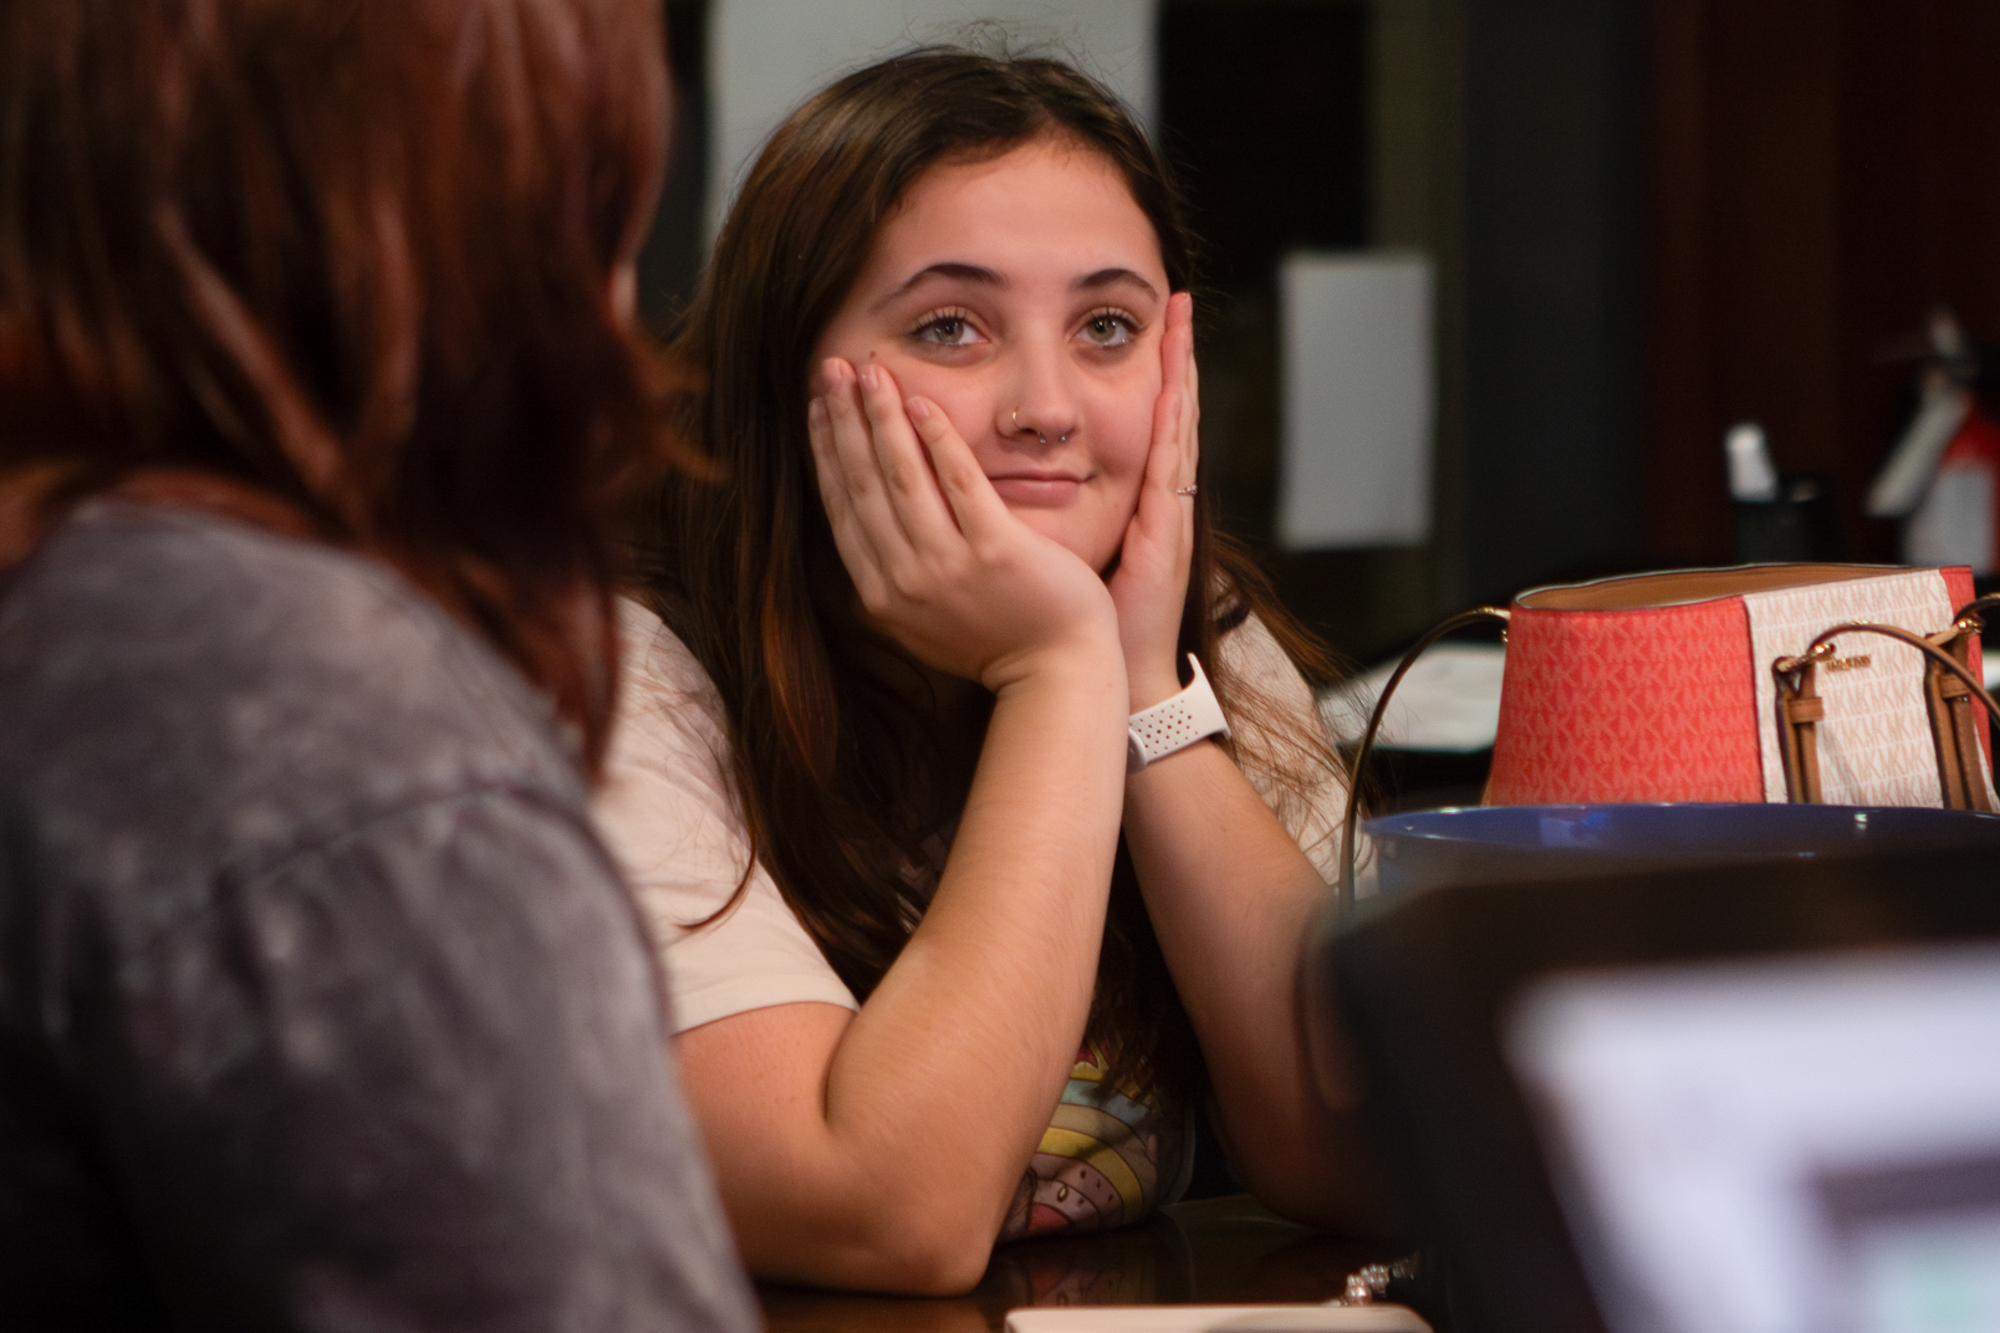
1833 684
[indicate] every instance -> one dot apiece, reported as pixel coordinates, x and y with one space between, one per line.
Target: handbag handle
1798 709
1367 747
1968 617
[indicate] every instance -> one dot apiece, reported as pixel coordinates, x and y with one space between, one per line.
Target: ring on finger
1188 489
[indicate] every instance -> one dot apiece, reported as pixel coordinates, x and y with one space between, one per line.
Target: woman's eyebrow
1111 277
948 269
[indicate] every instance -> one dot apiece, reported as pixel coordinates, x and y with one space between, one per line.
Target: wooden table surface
1216 1251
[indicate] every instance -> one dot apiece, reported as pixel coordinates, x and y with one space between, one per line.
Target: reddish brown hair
833 763
357 256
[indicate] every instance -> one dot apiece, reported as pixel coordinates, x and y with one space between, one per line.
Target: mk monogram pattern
1875 744
1676 703
1646 705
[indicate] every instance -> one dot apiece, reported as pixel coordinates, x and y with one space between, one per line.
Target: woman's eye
1109 329
947 331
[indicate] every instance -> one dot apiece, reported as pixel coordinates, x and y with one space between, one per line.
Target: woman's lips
1037 490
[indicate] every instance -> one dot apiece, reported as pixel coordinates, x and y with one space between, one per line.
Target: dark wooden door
1821 173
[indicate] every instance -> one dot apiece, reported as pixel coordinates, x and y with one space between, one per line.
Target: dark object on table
1426 986
1801 525
1502 844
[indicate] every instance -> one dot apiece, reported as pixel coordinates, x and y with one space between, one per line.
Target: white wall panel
767 56
1355 461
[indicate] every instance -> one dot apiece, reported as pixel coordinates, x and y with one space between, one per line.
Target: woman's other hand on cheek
1151 582
936 558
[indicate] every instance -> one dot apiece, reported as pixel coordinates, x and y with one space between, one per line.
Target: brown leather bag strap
1800 711
1950 705
1795 692
1348 825
1953 714
1970 613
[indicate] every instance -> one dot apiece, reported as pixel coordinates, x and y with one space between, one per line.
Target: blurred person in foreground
321 1005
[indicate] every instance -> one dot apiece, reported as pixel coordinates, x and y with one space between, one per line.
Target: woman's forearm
891 1163
1231 895
997 979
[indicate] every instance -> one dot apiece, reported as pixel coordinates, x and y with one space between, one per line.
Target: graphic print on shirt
1109 1155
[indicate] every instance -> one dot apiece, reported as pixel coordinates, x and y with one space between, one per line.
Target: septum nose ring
1040 438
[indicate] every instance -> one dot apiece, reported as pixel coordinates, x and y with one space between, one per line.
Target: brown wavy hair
354 256
838 771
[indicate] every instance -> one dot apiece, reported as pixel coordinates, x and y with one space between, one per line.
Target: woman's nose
1042 408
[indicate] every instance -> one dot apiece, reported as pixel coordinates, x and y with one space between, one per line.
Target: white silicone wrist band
1176 723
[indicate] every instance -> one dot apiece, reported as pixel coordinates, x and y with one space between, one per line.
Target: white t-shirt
668 808
1113 1152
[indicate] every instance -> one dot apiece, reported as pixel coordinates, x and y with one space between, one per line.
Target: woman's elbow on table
1348 1191
1323 1167
906 1250
850 1197
939 1265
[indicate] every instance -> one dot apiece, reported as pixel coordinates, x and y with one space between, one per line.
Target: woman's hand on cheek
936 559
1151 582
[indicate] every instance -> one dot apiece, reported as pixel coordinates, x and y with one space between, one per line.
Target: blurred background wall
1821 173
1644 220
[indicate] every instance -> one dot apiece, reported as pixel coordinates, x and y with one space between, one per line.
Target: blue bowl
1503 844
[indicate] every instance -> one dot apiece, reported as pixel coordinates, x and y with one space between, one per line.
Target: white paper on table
768 56
1875 744
1449 701
1355 456
1217 1319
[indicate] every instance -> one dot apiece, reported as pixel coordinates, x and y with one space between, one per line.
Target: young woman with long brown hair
873 774
321 1004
